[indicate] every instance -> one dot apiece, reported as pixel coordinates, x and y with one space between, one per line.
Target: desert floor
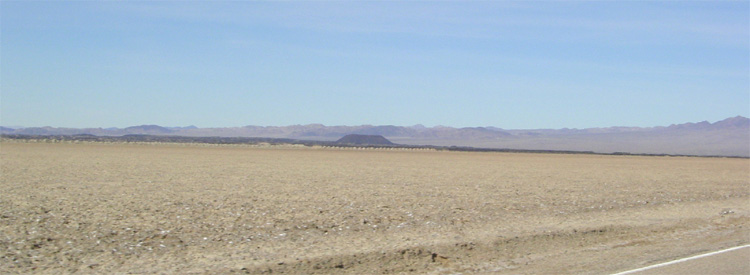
177 208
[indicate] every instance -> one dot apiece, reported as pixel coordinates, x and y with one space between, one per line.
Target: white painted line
681 260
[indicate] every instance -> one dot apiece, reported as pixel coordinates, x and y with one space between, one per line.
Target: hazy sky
486 63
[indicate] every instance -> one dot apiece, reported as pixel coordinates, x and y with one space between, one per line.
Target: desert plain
201 208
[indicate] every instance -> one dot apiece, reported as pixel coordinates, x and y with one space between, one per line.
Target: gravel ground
176 208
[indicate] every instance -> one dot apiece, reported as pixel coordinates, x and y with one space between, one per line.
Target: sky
507 64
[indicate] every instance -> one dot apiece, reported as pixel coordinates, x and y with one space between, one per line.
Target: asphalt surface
730 262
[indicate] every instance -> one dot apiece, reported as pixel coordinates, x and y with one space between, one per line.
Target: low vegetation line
307 143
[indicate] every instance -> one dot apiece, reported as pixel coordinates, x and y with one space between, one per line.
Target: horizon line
16 127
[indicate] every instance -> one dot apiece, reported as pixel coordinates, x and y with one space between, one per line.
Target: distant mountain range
729 137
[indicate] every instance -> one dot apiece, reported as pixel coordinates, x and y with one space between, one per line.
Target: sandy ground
171 208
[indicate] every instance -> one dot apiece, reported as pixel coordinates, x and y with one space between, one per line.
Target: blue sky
487 63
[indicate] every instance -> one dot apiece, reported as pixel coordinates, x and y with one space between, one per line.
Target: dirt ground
171 208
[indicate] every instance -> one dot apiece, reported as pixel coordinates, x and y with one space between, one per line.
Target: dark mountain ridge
355 139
